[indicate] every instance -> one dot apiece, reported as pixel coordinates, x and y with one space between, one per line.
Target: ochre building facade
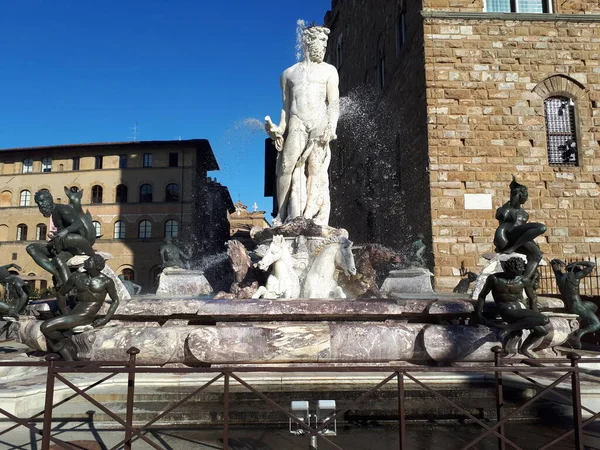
461 96
137 192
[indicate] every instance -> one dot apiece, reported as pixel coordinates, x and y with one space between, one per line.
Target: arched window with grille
96 194
171 228
27 165
25 198
121 194
146 193
128 274
47 164
119 231
145 229
21 232
172 193
41 230
98 228
561 133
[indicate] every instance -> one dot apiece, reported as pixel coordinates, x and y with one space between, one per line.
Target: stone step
246 407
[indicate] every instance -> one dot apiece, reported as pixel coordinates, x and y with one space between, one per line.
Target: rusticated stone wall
485 90
484 78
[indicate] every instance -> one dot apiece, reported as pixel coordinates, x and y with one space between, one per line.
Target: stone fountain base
416 328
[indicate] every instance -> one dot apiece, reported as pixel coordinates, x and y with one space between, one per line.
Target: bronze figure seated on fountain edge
92 287
514 234
507 290
75 234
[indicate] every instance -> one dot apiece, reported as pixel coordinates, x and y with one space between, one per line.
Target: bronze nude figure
92 286
75 234
568 285
514 234
16 286
507 290
172 256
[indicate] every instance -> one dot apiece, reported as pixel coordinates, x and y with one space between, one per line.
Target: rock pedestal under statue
177 282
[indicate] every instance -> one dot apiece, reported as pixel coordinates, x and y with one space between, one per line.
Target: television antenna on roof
135 131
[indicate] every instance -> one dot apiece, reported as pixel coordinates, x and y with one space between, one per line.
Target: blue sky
75 71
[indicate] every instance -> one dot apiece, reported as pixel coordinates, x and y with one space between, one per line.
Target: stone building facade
462 95
242 222
137 192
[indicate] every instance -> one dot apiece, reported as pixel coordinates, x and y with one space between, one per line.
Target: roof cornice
453 15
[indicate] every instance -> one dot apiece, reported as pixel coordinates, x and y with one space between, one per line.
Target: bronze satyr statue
463 285
514 234
507 289
568 285
14 285
173 256
75 234
92 287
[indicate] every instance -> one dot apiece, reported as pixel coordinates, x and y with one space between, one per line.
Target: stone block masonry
486 84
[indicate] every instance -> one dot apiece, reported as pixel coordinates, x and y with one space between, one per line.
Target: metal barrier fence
589 286
561 369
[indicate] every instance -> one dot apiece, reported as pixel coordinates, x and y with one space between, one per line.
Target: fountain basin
205 331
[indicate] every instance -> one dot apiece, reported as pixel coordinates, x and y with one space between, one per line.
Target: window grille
121 194
145 229
27 165
145 193
96 194
519 6
172 193
147 160
119 231
171 228
40 232
22 232
560 131
47 164
128 274
98 228
25 198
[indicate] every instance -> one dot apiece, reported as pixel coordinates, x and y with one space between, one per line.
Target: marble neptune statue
308 124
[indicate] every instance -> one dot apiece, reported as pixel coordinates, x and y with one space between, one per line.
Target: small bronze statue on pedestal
507 289
514 234
417 252
173 256
568 285
14 285
92 286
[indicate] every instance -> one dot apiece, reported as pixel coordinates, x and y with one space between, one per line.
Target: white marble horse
283 281
320 282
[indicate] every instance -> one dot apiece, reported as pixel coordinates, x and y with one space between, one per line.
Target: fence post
47 424
576 393
499 394
401 411
226 412
132 352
